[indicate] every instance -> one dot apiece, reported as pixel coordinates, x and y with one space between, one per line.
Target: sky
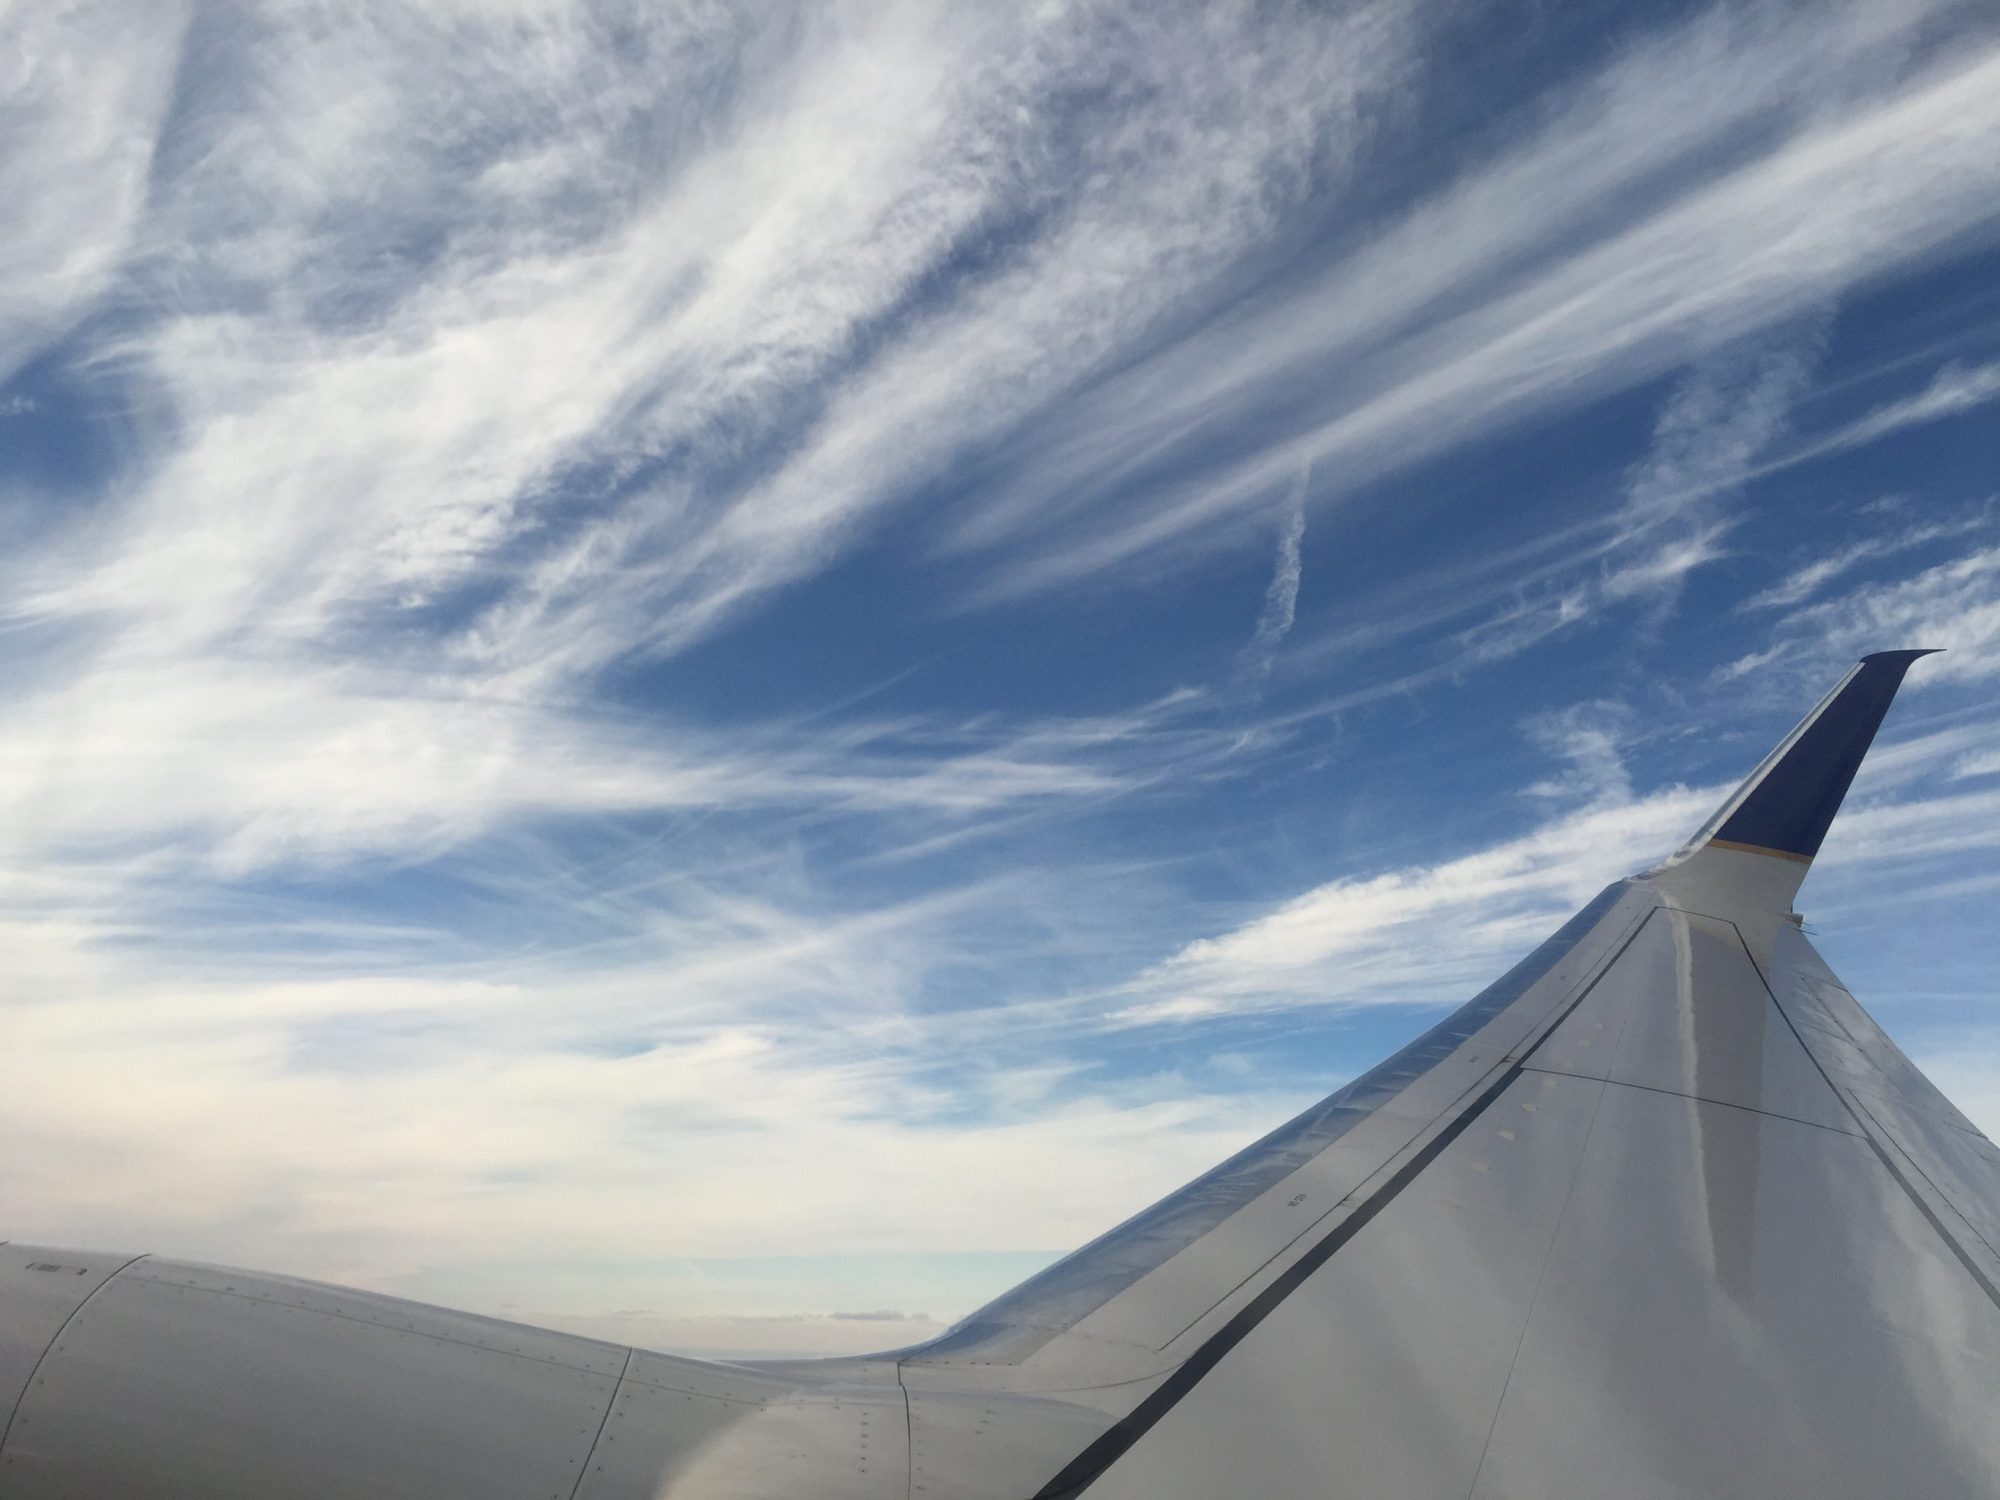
722 674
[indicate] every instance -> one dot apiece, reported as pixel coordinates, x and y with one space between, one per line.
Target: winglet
1788 803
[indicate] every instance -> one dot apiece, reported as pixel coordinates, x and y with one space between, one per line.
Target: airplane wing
1661 1213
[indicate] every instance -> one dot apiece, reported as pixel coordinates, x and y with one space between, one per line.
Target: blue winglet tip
1792 804
1905 657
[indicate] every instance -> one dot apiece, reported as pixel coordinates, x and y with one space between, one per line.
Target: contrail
1281 599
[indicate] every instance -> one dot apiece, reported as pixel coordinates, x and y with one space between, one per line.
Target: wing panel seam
1748 1109
54 1339
610 1405
1854 1110
344 1317
1541 1273
1929 1181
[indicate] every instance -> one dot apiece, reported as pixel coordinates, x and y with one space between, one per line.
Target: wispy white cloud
1671 521
1937 752
1170 199
546 1119
342 475
1748 664
1924 828
78 150
1987 764
1629 560
1954 389
1434 933
1896 175
444 442
123 758
339 465
1424 935
691 324
1815 628
1589 736
1804 582
1954 605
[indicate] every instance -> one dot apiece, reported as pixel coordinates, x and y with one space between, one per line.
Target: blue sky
720 674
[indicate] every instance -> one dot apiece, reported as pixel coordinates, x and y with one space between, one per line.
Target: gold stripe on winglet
1803 859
